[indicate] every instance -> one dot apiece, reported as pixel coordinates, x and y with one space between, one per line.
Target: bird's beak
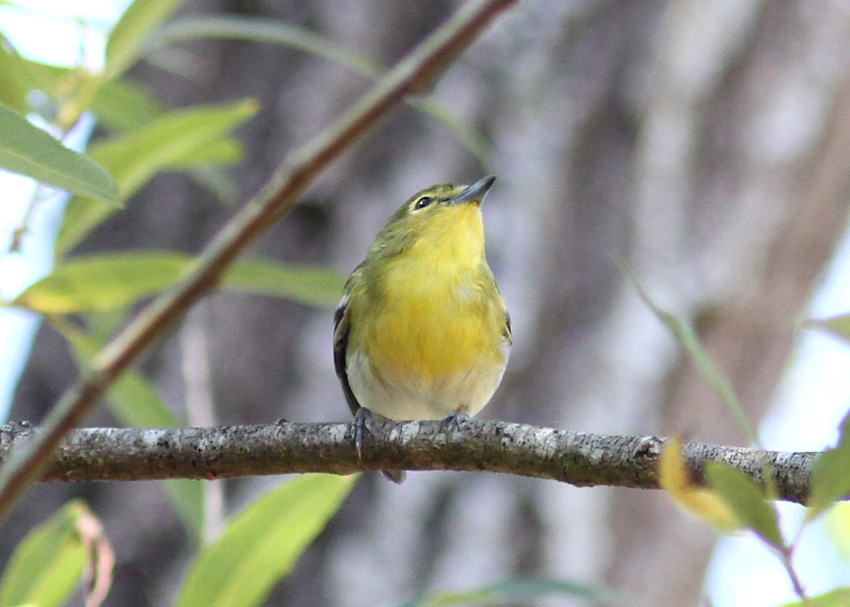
476 192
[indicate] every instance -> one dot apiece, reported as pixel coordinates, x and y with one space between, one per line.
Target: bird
421 331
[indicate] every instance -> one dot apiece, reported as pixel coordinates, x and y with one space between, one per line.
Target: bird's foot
362 427
455 421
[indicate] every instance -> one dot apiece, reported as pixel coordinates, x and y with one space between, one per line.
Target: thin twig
414 74
121 454
786 556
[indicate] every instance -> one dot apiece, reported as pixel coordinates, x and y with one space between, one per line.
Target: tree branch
414 74
120 454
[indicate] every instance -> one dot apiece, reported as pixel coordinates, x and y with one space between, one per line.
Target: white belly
401 397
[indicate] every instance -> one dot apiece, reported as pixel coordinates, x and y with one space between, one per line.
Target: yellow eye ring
422 203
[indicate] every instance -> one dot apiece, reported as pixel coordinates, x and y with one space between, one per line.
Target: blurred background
707 144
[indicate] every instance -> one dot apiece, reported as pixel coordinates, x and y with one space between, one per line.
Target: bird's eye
422 203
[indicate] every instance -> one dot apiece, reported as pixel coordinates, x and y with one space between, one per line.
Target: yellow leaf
699 502
838 526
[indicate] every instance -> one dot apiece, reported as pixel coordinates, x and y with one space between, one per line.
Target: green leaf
128 35
839 597
174 140
20 76
830 479
520 592
837 528
261 29
688 339
82 215
123 105
177 140
47 565
311 286
15 81
116 103
747 500
30 151
262 543
135 403
839 326
132 399
101 282
187 497
217 182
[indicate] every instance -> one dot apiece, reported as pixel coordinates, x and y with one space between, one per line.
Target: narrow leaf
17 82
700 502
124 105
219 153
830 478
275 31
838 528
102 282
30 151
312 286
187 498
134 401
839 326
132 398
217 182
47 565
747 500
522 592
839 597
172 141
82 215
262 543
134 26
26 76
176 140
116 103
688 339
261 29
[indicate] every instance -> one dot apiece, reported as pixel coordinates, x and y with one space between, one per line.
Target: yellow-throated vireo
421 331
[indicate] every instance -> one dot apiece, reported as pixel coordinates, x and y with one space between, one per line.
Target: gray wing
341 328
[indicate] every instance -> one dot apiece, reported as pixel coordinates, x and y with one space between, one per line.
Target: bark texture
706 143
577 458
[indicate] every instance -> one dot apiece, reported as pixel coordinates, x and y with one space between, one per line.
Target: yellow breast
435 322
433 327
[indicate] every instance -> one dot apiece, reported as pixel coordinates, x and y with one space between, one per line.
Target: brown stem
785 556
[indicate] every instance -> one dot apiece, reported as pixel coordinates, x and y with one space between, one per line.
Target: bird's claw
362 427
455 421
